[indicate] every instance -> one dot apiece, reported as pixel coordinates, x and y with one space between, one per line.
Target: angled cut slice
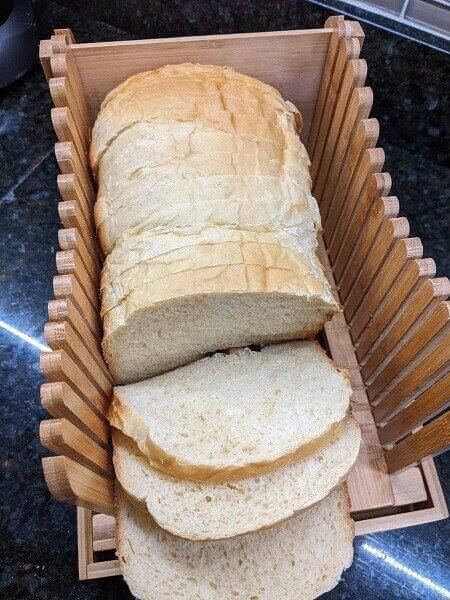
205 511
301 558
229 416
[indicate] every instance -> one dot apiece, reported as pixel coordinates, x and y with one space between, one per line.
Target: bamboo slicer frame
393 336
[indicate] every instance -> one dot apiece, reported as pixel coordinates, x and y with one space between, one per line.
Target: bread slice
205 511
234 415
301 558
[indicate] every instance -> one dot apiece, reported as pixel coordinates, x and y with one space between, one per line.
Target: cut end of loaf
170 334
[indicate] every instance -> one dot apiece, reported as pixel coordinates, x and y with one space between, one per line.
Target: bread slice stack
205 213
231 440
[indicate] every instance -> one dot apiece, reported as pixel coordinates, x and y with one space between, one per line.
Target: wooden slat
108 568
412 345
408 487
45 52
61 336
61 401
71 239
61 437
384 282
62 95
71 482
104 532
65 310
69 162
72 217
425 297
336 23
375 188
433 365
359 108
67 286
353 181
67 130
67 33
413 280
71 190
355 76
84 541
369 483
354 284
348 49
431 439
69 262
59 367
427 405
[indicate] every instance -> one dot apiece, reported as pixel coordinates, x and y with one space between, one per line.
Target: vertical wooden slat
45 52
71 482
359 108
411 346
425 297
384 282
428 441
67 287
348 49
59 367
353 183
429 368
378 186
431 402
61 336
61 401
354 284
60 436
355 76
84 541
336 23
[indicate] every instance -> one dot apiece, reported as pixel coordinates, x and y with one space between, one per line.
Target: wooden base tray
393 336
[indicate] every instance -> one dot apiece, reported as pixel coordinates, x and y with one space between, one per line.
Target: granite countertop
38 557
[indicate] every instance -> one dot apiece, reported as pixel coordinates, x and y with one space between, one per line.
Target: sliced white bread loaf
301 558
233 415
198 145
205 511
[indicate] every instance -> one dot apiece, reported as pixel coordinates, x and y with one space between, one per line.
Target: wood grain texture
68 287
61 401
384 282
413 281
431 439
348 49
73 483
422 372
427 405
368 482
62 437
359 108
84 541
291 61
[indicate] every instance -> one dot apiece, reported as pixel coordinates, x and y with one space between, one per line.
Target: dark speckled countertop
38 555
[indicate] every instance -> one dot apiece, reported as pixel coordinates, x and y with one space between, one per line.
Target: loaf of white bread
205 212
229 467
